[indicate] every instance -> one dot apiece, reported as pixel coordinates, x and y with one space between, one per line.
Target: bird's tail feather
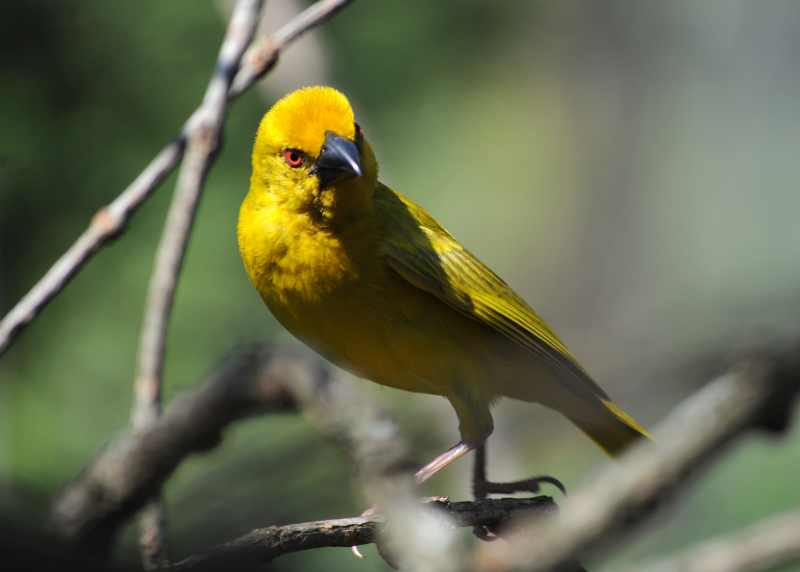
606 424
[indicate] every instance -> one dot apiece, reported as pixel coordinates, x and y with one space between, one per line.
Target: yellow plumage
373 283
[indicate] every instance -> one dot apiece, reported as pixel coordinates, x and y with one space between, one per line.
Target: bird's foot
482 489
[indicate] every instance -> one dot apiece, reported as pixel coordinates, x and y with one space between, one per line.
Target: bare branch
201 149
418 539
265 544
126 473
263 56
111 220
756 394
132 468
107 224
766 545
153 543
202 145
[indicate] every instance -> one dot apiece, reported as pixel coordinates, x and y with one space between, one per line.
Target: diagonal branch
263 379
131 469
111 220
202 144
263 56
265 544
107 224
201 150
757 394
767 545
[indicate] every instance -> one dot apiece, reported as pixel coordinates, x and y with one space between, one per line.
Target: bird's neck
336 208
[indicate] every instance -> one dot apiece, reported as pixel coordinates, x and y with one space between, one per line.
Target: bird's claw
531 485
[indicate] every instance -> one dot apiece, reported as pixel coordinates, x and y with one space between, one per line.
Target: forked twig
111 220
201 148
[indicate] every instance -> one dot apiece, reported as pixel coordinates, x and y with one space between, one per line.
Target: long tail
607 424
577 397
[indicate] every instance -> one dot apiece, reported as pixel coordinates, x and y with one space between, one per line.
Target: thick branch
265 544
758 394
131 469
112 219
128 472
767 545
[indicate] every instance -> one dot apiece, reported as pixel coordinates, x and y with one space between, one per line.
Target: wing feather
426 255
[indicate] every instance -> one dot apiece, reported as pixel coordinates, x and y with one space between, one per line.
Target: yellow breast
289 259
332 293
309 280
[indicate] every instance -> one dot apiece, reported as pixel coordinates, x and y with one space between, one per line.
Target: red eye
294 158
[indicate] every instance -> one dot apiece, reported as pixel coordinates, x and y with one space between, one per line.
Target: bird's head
311 156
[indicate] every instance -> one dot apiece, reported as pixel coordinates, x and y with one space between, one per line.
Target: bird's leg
452 454
479 481
437 464
482 531
481 487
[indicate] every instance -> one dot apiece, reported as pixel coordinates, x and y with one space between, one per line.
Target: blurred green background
629 168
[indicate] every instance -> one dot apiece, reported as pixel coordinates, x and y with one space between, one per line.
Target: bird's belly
392 334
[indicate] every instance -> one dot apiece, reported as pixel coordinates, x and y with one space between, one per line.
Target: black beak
339 160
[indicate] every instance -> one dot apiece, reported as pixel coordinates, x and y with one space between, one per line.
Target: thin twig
767 545
756 394
127 472
111 220
264 544
106 225
201 150
263 55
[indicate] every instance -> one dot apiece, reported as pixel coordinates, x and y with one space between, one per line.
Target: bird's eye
294 158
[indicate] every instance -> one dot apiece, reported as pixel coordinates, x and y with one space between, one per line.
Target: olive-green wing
427 256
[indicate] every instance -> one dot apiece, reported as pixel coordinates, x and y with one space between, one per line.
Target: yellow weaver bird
372 282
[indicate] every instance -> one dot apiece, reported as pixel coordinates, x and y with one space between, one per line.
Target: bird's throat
338 207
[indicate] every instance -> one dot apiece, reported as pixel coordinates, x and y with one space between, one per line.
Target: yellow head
310 156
